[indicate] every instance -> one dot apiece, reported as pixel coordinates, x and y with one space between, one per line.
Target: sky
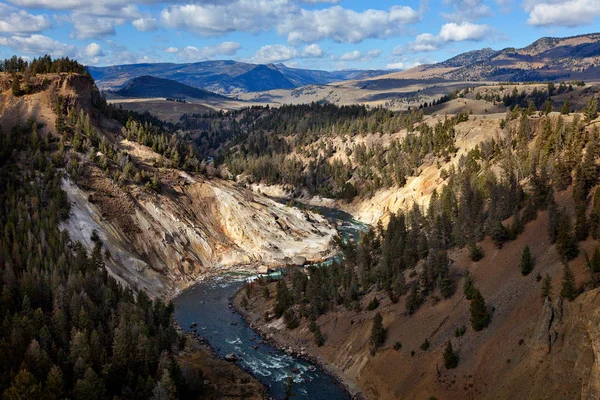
315 34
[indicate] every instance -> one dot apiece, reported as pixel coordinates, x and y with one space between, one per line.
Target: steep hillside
179 226
448 258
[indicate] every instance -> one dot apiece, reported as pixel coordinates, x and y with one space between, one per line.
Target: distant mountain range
225 77
149 86
575 57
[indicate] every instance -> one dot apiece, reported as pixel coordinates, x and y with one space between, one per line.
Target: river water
207 304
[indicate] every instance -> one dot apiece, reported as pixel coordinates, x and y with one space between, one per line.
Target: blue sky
320 34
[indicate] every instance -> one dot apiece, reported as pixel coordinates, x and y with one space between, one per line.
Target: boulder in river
263 269
299 261
231 357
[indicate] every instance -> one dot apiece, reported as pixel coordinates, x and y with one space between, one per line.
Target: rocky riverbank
220 379
289 344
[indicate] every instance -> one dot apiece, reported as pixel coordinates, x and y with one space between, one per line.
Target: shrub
476 253
458 332
373 304
291 319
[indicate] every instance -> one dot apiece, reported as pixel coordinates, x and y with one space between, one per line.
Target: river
207 304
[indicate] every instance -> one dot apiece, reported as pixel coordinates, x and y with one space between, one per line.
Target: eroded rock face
160 242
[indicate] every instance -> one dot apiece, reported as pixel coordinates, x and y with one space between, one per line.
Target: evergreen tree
413 300
546 288
283 298
526 261
318 336
377 332
566 246
23 387
547 107
54 384
469 287
591 110
566 108
568 290
450 357
480 317
16 86
90 387
593 265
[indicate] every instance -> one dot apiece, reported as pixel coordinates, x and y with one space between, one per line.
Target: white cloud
191 53
93 50
450 32
312 51
275 53
358 56
13 20
453 32
562 13
402 65
91 27
38 45
145 24
346 26
467 10
321 1
218 19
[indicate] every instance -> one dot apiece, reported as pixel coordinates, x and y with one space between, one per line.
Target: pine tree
499 234
547 107
568 290
469 287
526 262
377 332
23 387
319 338
283 298
450 357
546 288
90 387
55 384
593 265
413 301
16 86
566 245
591 110
566 108
480 317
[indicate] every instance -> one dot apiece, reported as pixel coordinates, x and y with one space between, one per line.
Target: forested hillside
440 268
69 330
70 327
